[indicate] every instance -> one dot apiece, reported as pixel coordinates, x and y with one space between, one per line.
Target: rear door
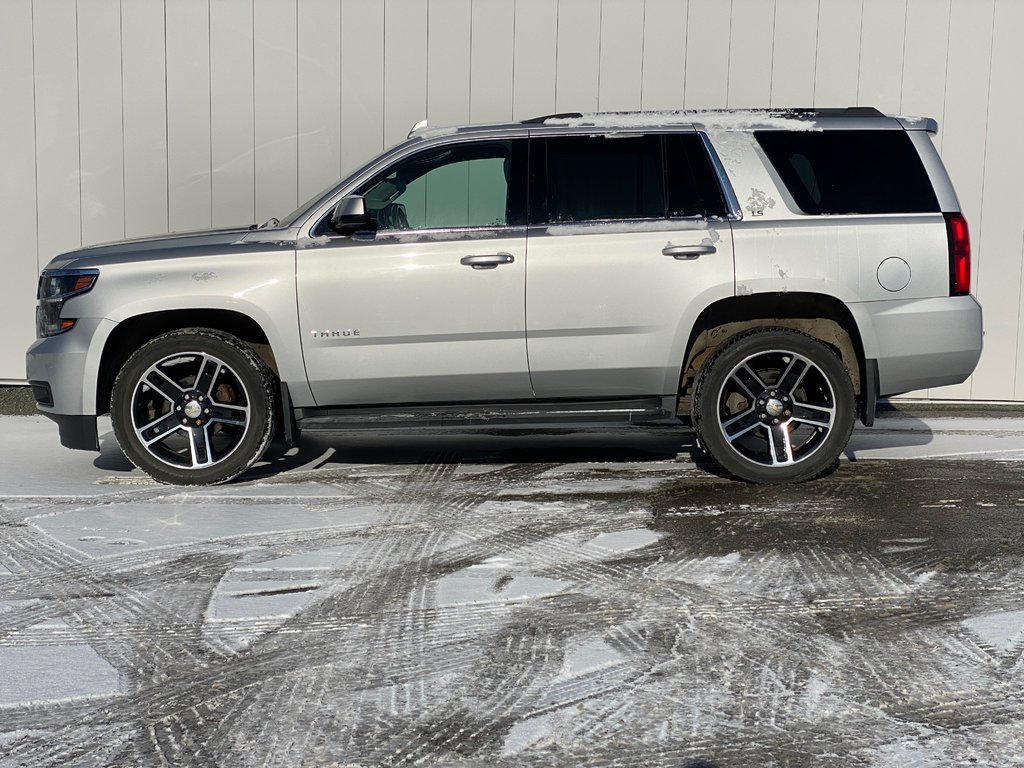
628 242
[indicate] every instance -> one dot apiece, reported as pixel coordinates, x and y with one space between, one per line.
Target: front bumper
65 366
78 432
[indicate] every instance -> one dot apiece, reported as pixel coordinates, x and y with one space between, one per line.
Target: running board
597 414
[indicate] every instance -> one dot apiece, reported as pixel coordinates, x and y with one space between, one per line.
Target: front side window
456 186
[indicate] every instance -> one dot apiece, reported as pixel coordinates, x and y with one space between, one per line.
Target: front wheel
193 407
774 406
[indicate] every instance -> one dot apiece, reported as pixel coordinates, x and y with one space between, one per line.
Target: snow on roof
735 119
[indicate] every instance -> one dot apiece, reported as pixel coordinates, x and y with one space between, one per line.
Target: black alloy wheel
194 407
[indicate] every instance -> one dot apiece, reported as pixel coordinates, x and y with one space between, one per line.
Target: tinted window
595 177
463 185
692 186
850 171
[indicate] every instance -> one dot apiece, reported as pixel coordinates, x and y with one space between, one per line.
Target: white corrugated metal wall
121 118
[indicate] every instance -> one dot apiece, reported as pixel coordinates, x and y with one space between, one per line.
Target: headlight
55 287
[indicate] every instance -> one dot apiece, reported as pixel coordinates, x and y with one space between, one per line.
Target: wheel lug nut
775 421
178 408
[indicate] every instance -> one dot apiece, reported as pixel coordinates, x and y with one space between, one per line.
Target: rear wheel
774 406
194 407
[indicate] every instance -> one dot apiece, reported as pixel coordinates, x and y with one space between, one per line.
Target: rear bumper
925 343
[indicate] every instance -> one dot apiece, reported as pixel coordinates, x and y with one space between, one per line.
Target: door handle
687 252
488 261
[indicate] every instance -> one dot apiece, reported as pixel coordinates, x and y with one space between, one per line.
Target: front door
430 307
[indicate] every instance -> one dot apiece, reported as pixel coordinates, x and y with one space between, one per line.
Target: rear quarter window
843 172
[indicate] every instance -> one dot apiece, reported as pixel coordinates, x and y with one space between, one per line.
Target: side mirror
349 216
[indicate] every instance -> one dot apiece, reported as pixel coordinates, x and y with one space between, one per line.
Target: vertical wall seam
167 129
515 32
945 80
426 64
124 157
728 54
209 93
252 40
984 168
35 123
771 58
341 79
384 73
298 133
984 141
558 17
1017 352
643 49
600 49
469 100
817 44
860 48
78 115
903 58
686 55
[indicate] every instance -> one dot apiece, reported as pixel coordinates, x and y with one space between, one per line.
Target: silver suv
763 275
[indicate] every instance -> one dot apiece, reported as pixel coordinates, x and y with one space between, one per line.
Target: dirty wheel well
823 317
131 334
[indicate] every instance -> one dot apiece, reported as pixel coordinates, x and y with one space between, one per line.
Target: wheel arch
820 316
131 333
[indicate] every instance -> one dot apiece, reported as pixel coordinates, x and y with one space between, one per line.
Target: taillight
959 254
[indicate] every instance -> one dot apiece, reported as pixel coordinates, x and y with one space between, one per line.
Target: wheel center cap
774 407
193 409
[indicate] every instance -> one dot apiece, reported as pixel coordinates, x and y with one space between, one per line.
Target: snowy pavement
582 599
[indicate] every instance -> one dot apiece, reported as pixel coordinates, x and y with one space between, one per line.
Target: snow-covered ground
584 599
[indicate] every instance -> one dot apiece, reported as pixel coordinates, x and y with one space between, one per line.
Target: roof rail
557 116
807 113
834 111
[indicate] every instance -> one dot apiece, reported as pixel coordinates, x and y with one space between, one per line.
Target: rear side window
595 178
692 186
836 172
